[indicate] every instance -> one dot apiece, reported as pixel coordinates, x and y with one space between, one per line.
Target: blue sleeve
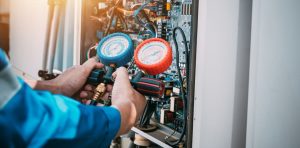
30 118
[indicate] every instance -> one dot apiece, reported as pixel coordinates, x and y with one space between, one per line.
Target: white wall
27 32
4 6
221 88
274 91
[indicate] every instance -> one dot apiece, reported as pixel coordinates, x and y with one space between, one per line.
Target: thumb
122 78
92 63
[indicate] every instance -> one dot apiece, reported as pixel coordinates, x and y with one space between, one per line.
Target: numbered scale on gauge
115 49
153 56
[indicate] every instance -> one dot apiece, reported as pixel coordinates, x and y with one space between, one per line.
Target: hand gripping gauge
115 50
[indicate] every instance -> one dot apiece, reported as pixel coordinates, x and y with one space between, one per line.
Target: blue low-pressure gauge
116 48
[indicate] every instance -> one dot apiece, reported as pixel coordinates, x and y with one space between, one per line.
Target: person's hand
73 79
127 100
70 81
87 93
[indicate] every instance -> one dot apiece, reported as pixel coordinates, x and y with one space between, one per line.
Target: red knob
150 87
153 56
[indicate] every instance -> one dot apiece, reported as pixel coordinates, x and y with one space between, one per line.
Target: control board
157 30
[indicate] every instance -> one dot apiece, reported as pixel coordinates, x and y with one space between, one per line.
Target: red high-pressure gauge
153 56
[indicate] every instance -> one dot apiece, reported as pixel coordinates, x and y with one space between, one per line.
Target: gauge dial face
114 46
152 52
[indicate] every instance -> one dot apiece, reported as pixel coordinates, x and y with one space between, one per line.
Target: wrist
128 113
50 86
44 85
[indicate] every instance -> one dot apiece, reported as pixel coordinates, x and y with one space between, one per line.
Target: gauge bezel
118 60
158 67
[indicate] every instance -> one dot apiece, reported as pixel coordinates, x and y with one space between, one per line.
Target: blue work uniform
30 118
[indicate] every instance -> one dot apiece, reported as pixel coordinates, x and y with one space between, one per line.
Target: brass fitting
113 65
99 91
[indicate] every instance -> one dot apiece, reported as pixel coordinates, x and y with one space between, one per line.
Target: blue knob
116 48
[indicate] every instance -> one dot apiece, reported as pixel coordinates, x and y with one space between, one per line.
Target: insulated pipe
53 37
47 37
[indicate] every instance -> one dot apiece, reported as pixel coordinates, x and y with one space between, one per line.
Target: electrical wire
122 21
181 86
155 28
89 51
148 24
144 114
137 11
151 30
167 137
112 15
141 14
109 22
149 113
